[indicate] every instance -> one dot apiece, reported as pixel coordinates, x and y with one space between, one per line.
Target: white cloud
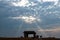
33 4
21 3
27 19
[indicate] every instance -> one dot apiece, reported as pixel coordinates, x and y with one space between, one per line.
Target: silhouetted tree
40 36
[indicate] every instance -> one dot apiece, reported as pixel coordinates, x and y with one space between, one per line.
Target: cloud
55 1
27 19
54 30
49 0
23 3
45 15
51 32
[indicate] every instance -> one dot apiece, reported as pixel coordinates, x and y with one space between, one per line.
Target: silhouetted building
26 33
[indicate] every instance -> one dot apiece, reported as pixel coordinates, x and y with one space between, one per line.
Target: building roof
30 32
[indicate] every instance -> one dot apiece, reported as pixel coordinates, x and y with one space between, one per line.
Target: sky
41 16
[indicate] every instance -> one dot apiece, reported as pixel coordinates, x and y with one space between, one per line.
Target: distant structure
26 33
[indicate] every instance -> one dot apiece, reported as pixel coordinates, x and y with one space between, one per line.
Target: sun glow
27 19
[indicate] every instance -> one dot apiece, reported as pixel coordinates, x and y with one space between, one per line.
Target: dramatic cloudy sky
42 16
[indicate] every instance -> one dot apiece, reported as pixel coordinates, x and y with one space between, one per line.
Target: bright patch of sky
25 3
21 3
27 19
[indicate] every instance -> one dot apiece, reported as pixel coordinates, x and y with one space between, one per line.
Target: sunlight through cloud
23 3
27 19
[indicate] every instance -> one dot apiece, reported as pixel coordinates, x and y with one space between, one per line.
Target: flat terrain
29 38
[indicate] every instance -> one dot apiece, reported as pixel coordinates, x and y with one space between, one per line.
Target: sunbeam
19 29
27 19
41 30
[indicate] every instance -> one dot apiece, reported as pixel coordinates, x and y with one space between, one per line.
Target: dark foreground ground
29 38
